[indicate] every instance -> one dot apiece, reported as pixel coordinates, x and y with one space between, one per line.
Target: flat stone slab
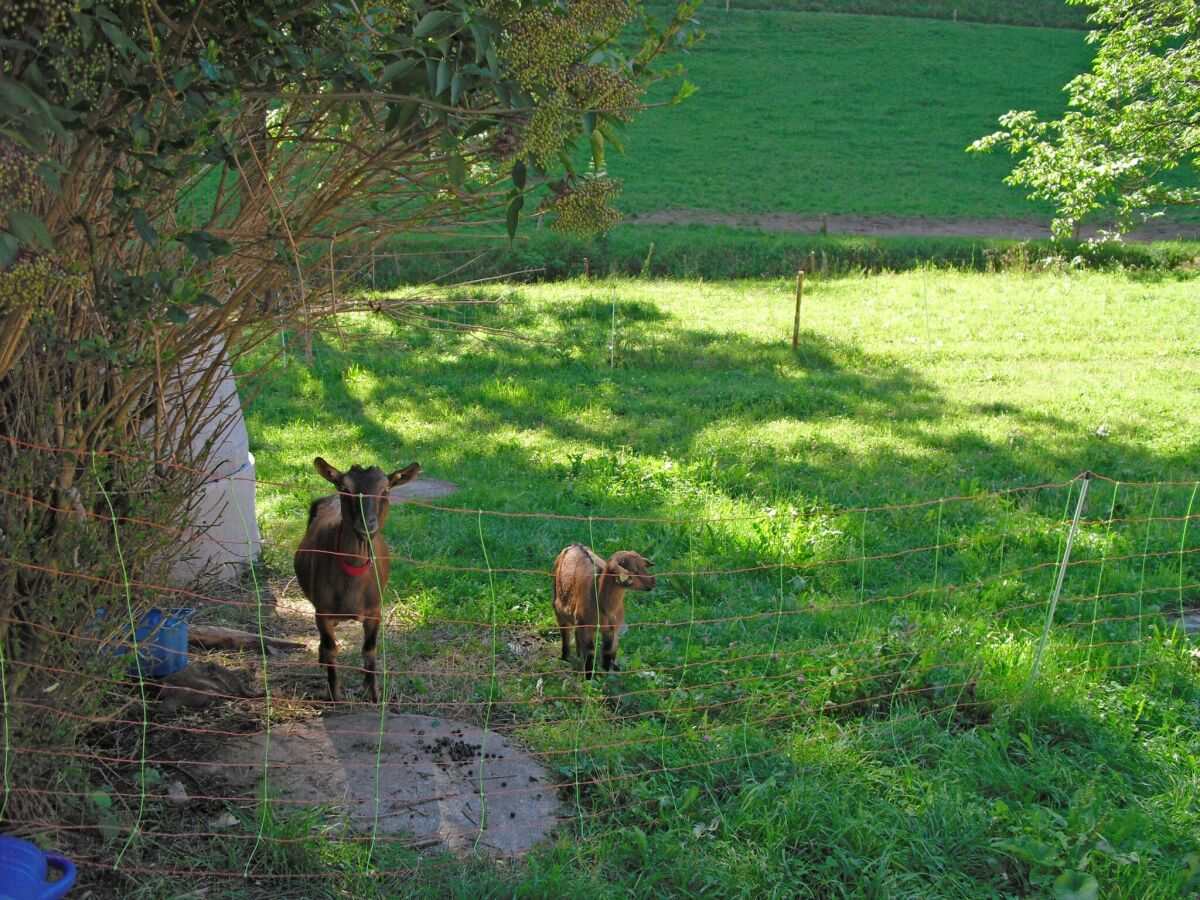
1191 621
423 489
442 782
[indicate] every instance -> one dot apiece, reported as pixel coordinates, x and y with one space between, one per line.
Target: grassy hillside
1046 13
819 113
811 696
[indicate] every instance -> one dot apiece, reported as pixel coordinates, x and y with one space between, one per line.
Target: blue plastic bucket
162 642
23 871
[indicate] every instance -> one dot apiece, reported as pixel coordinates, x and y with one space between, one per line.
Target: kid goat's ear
326 471
408 473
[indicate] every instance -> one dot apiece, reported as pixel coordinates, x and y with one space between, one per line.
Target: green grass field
821 113
845 713
1050 13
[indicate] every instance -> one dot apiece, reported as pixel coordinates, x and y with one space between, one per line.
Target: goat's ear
328 472
649 562
623 577
408 473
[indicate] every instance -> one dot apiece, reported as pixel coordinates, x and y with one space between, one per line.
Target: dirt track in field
899 226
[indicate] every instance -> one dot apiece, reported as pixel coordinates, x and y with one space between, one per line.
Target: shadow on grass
736 402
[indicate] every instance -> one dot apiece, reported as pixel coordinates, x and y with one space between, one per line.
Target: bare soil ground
900 226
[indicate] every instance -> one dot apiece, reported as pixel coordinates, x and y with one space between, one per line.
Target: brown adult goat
334 562
590 593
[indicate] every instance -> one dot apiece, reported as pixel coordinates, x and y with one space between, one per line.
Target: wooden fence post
799 297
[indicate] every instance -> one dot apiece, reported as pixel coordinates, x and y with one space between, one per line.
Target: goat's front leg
328 653
369 652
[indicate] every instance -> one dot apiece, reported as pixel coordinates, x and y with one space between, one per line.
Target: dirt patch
442 782
423 489
900 226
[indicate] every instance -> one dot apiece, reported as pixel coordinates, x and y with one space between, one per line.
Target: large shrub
178 180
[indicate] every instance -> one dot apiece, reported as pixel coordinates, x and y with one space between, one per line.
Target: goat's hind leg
328 653
608 656
585 642
564 628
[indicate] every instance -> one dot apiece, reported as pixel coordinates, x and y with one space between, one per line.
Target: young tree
1128 146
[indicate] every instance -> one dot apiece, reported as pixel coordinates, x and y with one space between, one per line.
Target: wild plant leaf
29 228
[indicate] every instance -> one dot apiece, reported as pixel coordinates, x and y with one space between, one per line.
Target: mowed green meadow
828 693
814 113
1050 13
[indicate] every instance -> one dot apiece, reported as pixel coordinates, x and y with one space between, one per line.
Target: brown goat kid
589 593
342 562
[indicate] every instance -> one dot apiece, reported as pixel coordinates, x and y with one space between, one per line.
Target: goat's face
633 570
364 493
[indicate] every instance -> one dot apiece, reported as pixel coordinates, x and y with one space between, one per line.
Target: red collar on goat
352 571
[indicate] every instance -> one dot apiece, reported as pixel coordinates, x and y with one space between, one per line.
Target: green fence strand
487 713
137 661
1182 545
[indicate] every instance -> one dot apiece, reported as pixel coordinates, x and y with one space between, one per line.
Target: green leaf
29 229
456 88
142 223
689 797
518 174
611 135
589 122
514 214
109 830
685 90
49 174
119 38
482 41
101 799
32 104
568 163
86 31
400 116
430 22
9 248
458 169
176 316
443 77
597 141
1071 885
394 70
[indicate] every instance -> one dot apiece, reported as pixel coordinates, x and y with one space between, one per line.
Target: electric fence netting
765 635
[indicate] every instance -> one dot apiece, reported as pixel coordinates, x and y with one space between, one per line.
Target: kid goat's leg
585 641
609 648
328 653
564 626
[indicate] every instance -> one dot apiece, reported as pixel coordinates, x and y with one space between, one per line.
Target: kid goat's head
632 570
364 493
